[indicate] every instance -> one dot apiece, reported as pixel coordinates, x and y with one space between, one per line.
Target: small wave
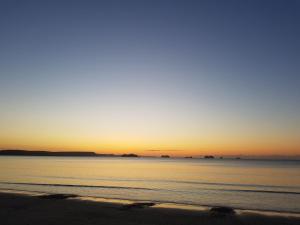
79 185
173 181
152 189
265 191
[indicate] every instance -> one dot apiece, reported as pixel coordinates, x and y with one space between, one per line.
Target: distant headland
49 153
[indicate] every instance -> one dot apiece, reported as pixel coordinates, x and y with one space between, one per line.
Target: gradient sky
183 77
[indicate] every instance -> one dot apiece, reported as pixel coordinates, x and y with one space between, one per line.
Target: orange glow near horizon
138 128
176 148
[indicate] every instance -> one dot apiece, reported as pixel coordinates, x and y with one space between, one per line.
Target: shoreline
162 205
20 209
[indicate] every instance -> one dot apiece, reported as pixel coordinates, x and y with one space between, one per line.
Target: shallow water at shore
244 184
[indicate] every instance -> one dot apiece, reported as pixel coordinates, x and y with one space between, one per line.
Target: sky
151 77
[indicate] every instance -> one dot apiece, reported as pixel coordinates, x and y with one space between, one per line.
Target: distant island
129 155
165 156
209 157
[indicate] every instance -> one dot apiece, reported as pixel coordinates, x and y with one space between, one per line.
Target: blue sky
161 74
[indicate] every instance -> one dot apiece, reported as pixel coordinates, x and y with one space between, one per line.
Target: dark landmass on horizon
130 155
21 152
49 153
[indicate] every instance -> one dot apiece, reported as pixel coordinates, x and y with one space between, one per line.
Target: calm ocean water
246 184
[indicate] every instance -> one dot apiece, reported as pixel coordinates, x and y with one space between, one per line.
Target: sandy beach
22 209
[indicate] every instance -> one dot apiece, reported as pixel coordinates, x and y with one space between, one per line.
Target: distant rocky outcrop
208 157
165 156
129 155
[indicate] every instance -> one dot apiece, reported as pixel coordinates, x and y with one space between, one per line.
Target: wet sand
18 209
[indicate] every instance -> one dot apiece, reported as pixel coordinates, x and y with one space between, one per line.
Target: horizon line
187 155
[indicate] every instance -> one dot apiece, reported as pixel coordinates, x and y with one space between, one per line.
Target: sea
246 184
